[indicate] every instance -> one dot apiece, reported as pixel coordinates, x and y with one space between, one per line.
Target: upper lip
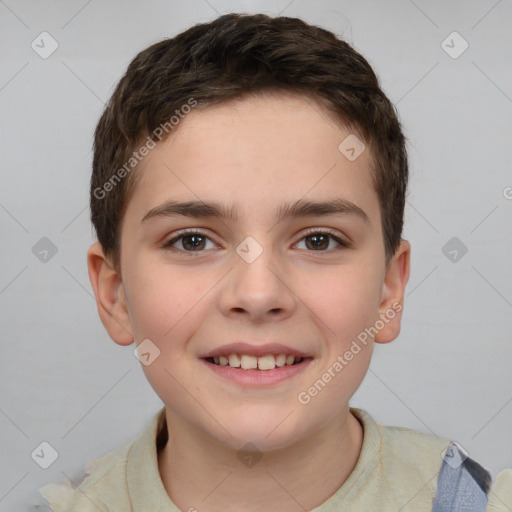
258 350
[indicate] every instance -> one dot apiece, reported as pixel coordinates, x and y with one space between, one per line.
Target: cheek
160 301
343 312
345 302
163 311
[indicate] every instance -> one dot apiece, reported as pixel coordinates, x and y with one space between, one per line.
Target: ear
110 296
393 289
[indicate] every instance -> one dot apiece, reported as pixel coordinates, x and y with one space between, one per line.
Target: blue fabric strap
462 484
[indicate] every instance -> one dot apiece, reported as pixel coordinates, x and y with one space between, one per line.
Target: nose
259 290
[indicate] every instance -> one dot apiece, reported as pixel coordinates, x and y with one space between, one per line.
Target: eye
194 241
190 241
320 240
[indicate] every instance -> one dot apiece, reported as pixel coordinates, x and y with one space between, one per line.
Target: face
270 280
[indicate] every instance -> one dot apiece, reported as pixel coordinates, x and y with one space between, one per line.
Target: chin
267 432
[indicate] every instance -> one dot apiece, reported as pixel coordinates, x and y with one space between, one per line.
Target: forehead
254 152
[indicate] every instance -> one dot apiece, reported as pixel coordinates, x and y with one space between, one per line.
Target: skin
256 154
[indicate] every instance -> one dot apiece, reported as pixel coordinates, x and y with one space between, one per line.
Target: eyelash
343 244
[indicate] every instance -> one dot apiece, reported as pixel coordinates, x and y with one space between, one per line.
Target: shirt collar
145 486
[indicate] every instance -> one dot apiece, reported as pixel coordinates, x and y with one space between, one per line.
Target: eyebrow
299 208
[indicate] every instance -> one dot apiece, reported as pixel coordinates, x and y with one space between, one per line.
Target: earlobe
110 297
393 290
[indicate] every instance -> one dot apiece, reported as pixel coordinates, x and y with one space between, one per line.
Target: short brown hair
231 57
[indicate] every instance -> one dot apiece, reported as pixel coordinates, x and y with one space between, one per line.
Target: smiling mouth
248 362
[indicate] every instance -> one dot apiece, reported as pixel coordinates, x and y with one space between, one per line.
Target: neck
199 473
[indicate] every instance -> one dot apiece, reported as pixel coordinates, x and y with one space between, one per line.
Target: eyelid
343 240
320 229
187 232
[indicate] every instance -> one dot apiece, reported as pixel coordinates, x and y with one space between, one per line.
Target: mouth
266 362
247 370
256 364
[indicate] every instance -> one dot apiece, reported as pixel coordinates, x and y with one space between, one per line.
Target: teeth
280 360
234 361
247 362
266 363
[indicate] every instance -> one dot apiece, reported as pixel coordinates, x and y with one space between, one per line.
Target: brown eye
320 241
193 242
189 241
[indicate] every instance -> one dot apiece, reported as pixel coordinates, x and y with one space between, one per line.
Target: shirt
397 470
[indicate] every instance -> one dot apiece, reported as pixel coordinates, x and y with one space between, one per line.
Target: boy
248 189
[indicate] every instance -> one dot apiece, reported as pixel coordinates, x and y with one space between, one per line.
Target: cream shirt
396 471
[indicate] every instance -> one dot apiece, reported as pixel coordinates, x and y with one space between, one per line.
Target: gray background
449 373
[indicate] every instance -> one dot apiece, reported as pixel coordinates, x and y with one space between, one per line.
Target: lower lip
258 378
